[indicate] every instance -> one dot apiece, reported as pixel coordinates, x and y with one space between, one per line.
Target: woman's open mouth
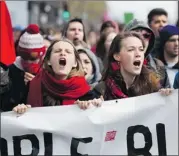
62 62
137 63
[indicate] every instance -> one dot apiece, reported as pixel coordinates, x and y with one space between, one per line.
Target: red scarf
68 90
113 90
32 68
145 62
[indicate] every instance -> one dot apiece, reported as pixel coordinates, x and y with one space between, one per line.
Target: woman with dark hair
61 81
100 48
107 27
103 46
126 76
90 66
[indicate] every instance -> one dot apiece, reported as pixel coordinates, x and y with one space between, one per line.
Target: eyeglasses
147 36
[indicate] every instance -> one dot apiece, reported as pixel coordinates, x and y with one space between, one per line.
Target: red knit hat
31 44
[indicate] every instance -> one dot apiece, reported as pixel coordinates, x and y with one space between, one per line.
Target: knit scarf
67 90
116 86
32 68
113 91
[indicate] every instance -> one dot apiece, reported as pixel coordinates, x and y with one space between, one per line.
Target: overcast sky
141 8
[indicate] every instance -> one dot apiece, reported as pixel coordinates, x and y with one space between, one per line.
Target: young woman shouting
61 82
126 76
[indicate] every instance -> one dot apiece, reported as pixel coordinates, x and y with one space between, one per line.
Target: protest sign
144 125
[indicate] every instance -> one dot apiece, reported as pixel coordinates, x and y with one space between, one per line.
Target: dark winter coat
5 89
176 81
11 88
19 88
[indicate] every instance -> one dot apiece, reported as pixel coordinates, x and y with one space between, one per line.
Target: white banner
144 125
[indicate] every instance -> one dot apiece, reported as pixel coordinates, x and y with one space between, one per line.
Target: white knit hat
31 43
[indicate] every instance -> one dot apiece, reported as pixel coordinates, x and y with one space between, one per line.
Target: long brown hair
100 47
77 71
146 82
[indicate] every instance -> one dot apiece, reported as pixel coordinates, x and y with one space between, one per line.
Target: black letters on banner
3 147
74 145
17 142
48 142
130 140
161 138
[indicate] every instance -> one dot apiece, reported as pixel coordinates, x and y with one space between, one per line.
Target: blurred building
56 13
92 12
45 13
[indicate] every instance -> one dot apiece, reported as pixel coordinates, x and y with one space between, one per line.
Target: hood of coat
96 77
135 24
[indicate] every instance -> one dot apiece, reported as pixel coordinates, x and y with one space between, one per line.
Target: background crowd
73 66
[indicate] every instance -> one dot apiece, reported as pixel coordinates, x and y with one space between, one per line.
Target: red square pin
110 135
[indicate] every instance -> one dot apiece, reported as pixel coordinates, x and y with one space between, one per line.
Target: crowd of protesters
68 67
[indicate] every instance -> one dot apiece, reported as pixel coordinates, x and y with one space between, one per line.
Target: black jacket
19 89
6 102
5 98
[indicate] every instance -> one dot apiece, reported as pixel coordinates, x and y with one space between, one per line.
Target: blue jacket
176 81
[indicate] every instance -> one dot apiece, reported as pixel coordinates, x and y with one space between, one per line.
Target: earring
49 63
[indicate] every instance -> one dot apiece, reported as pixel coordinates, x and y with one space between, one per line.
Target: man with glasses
169 50
149 38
